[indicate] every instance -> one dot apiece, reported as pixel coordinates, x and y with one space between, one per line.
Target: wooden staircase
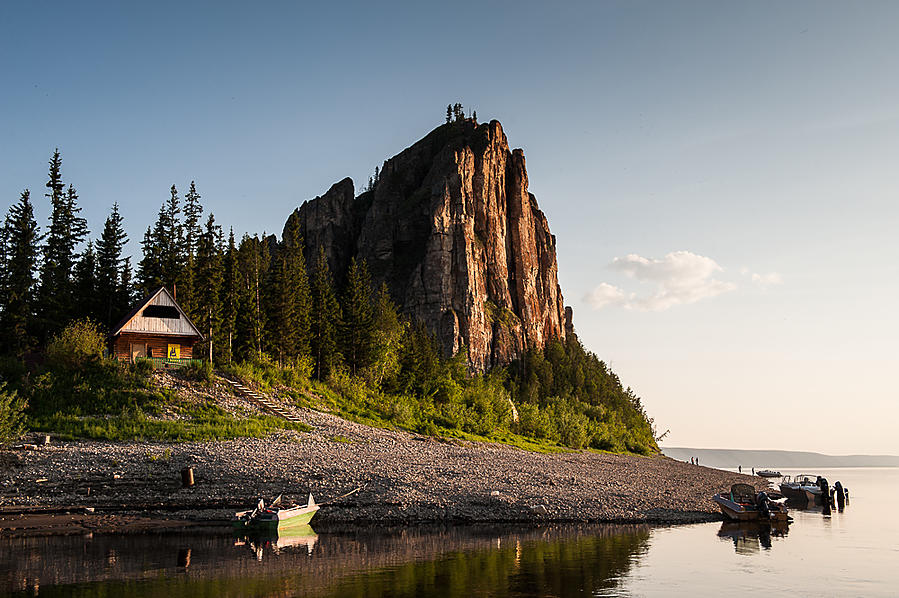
261 401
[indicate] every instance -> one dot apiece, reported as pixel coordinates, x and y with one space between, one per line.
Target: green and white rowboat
274 518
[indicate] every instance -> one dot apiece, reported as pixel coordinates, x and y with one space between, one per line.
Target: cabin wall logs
125 344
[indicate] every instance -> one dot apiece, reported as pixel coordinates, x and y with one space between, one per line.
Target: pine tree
207 305
229 299
449 113
86 304
21 236
357 327
324 319
113 298
66 232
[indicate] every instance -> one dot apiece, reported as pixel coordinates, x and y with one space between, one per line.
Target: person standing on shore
739 469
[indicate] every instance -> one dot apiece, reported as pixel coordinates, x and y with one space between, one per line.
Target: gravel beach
391 477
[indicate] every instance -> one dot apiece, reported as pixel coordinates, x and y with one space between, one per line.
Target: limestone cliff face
452 229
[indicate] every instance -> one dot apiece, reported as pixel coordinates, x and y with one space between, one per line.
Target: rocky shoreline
388 477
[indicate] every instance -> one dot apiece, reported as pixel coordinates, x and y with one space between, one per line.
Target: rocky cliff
451 228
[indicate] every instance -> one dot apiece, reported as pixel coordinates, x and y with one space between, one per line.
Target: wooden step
262 401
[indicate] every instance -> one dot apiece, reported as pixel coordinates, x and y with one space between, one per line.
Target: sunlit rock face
451 228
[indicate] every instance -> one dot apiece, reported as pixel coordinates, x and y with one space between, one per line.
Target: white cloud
605 294
681 277
767 280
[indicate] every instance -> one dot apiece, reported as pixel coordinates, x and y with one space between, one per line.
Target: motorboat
743 503
768 473
801 489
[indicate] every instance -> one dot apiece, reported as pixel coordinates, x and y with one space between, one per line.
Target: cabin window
161 311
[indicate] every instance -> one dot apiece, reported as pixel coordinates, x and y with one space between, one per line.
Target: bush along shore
388 477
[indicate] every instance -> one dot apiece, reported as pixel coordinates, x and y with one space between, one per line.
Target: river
850 553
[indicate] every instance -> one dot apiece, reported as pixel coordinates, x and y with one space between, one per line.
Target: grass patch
132 427
339 438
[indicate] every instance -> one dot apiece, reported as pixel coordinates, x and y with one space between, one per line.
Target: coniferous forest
273 317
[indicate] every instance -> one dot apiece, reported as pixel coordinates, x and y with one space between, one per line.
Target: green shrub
12 410
143 367
198 371
79 343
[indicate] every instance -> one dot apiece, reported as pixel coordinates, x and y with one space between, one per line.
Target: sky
720 176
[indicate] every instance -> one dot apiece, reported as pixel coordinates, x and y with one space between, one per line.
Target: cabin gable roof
163 306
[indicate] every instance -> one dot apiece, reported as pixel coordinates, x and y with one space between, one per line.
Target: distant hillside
785 459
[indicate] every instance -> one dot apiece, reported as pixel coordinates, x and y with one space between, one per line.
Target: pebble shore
389 477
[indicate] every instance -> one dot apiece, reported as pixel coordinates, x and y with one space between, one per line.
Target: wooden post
187 477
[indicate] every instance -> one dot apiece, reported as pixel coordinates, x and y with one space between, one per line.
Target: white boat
802 488
274 518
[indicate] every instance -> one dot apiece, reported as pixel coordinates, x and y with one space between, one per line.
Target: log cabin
157 328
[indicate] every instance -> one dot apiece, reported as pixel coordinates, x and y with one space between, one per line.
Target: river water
850 553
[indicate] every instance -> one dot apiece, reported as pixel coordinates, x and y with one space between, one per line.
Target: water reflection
749 537
469 561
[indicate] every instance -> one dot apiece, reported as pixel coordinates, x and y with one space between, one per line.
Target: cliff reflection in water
560 561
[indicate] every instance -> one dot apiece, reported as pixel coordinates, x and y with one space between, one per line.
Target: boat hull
276 523
800 495
738 512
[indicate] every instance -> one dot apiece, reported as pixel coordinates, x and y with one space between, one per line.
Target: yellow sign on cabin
174 352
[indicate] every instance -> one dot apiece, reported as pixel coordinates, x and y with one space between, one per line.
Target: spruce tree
449 113
229 299
290 298
67 230
357 327
86 304
21 236
126 290
193 211
252 258
149 269
389 332
207 304
113 298
170 243
324 319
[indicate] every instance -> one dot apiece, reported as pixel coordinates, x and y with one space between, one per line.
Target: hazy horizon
719 177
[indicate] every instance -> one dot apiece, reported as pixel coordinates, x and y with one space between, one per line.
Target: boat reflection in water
300 539
749 537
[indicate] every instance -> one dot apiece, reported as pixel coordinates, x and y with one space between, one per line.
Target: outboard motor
840 496
825 494
761 500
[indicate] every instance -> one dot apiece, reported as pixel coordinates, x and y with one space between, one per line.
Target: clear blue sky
743 154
